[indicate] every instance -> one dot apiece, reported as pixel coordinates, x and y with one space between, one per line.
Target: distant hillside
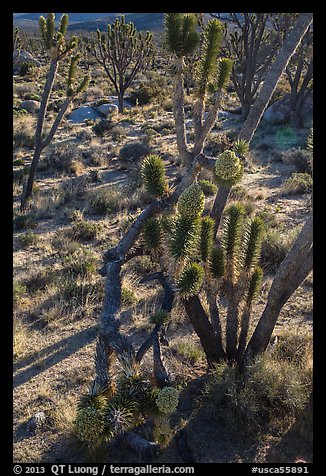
93 21
142 21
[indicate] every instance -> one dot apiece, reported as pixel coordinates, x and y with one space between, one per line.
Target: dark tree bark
204 329
287 50
293 270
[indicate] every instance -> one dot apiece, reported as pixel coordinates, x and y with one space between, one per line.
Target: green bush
106 200
61 158
23 221
134 152
150 91
271 398
102 127
19 292
23 139
128 297
28 239
209 188
84 230
274 249
19 111
80 263
26 68
298 184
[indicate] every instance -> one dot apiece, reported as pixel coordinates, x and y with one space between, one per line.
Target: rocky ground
55 322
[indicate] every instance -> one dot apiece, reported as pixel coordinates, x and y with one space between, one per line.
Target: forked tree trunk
293 270
204 329
179 115
289 46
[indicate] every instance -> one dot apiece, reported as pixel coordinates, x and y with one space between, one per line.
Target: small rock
35 423
30 105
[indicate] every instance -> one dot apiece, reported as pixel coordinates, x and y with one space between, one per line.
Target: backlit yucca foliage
153 175
212 39
181 35
55 41
251 243
120 414
89 424
191 202
206 237
59 47
240 147
254 285
232 229
167 400
190 280
152 233
224 68
216 262
160 317
228 169
183 238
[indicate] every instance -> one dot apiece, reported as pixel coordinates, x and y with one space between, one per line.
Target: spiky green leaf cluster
55 41
167 400
206 237
213 34
63 27
160 317
251 243
241 147
254 285
89 424
191 202
228 169
153 175
72 69
190 279
223 72
152 233
183 238
167 223
120 414
232 229
133 387
181 36
216 262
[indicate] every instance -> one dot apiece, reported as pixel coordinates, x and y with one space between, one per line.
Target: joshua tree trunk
38 133
293 270
179 115
204 329
289 46
219 205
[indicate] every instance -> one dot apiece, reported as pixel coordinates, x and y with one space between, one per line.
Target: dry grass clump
277 390
106 200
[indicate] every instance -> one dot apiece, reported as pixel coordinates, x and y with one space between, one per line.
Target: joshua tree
58 49
198 261
123 52
17 46
213 73
291 43
252 44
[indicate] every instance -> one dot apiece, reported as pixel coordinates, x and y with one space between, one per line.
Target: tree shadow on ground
40 361
297 443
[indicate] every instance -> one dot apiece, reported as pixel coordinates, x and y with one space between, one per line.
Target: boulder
83 113
22 56
279 111
107 109
30 105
